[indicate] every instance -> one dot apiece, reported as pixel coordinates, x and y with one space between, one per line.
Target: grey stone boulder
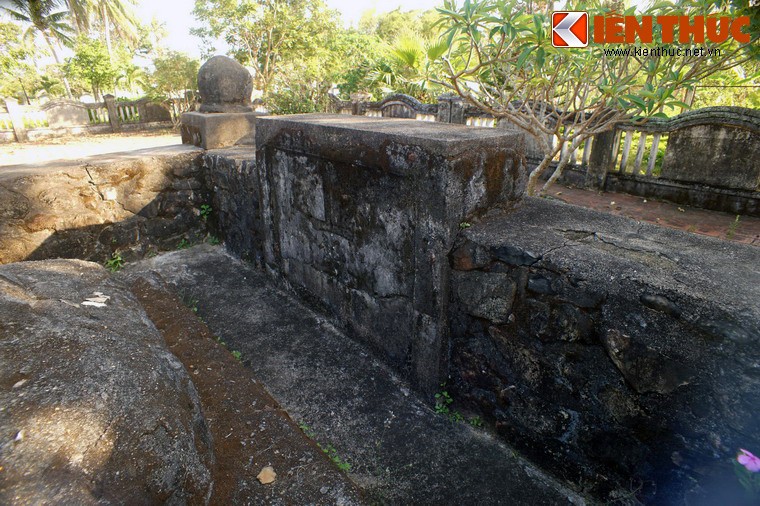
93 407
225 86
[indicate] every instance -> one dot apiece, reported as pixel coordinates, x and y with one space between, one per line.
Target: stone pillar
451 109
359 103
17 119
142 111
113 113
601 159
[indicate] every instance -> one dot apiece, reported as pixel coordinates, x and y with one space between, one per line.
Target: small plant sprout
236 354
115 263
213 240
190 302
464 225
206 211
329 449
183 244
733 227
442 402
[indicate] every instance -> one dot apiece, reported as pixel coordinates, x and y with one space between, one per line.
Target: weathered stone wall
233 182
359 215
615 353
715 154
130 204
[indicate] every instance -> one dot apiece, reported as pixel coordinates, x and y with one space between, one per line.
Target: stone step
391 442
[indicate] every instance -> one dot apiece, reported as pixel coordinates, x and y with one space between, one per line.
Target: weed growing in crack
443 402
733 227
115 263
183 244
238 356
205 211
213 240
329 449
190 302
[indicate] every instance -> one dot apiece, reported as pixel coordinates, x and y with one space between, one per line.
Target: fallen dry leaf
267 475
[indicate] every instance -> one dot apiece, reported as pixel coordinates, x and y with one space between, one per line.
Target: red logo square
569 29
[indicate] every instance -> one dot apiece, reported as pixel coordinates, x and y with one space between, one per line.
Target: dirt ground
72 147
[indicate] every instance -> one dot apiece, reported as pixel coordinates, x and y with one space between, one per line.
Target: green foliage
443 402
499 56
115 263
205 211
267 36
749 480
173 82
213 240
191 303
18 77
237 355
175 73
183 244
92 63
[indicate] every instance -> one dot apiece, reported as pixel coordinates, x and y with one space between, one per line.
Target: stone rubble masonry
360 213
130 204
609 350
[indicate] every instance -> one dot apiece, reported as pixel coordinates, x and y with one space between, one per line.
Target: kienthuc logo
569 29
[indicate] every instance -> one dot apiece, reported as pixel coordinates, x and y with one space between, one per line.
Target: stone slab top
20 170
369 140
445 132
614 250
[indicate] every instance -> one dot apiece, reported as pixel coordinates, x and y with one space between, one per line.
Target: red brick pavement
690 219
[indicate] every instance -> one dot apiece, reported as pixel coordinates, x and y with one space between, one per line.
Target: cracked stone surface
89 209
94 408
629 358
399 449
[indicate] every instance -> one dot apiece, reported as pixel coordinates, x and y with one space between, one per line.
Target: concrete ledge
218 130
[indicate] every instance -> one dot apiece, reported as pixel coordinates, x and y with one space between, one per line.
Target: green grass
329 449
115 263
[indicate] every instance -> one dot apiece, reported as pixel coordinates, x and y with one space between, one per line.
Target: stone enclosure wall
364 229
619 355
21 123
705 158
130 205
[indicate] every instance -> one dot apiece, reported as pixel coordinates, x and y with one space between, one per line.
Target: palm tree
116 15
44 18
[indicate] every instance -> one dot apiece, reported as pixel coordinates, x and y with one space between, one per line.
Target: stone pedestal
221 130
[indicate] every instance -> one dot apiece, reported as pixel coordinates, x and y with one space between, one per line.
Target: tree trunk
58 62
26 95
106 28
535 174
